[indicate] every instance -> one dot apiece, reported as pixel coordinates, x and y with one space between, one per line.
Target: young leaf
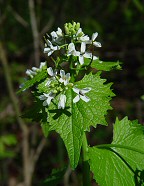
122 162
76 118
37 78
94 111
105 66
55 177
38 113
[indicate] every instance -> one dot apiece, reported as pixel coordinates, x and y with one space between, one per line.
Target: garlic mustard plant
71 97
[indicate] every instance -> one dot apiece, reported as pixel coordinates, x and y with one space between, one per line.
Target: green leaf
94 111
76 118
8 139
122 162
55 177
66 124
105 66
37 78
45 128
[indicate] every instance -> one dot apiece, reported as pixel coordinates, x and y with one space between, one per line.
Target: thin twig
19 18
36 153
24 129
47 27
67 176
39 149
34 31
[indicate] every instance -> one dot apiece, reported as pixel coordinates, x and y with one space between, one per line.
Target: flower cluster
59 84
73 41
73 46
35 70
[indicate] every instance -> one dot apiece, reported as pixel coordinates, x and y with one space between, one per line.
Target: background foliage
22 26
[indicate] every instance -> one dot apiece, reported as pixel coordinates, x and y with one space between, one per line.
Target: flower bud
80 34
73 31
59 89
70 85
74 24
77 26
70 25
55 91
52 85
66 28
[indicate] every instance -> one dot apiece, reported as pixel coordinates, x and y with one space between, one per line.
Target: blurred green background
26 157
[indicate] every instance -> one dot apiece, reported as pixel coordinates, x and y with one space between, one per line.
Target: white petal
79 31
81 59
61 80
84 98
83 47
68 76
59 31
62 102
46 50
94 57
42 64
44 103
48 82
49 43
50 71
54 48
94 36
71 47
46 95
76 90
85 90
50 97
50 53
84 38
28 72
76 53
48 100
42 97
34 69
53 34
62 74
87 55
97 44
76 99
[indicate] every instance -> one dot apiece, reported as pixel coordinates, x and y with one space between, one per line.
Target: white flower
50 49
42 64
81 37
54 35
59 32
52 74
47 97
83 54
64 77
30 73
34 70
57 36
81 94
72 50
92 41
62 101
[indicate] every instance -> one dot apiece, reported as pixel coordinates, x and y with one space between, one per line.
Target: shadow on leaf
138 174
139 177
59 112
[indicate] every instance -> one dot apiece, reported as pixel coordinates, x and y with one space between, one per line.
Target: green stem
86 167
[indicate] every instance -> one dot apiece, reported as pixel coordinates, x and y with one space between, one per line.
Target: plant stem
86 168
